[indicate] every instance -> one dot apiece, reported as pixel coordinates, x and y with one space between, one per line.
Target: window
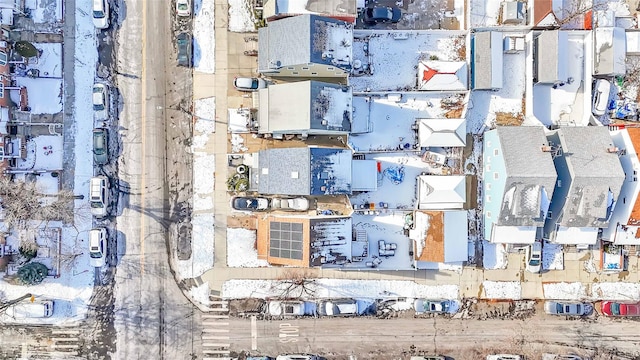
295 73
3 58
488 214
330 68
290 68
559 183
549 214
488 187
488 167
495 152
488 198
305 68
314 73
495 175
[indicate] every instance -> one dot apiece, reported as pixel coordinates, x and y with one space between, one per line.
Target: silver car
534 257
567 308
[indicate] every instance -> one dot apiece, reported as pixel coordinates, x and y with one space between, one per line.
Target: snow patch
564 291
201 293
502 290
241 17
205 111
615 291
241 245
552 256
494 256
237 144
202 247
204 43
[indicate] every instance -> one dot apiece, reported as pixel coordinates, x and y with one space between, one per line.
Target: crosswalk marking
215 327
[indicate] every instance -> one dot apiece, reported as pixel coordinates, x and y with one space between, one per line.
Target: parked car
184 49
428 357
567 308
99 196
613 308
435 306
299 357
183 8
249 84
286 308
290 204
245 203
100 97
601 92
98 247
534 257
338 307
381 13
31 310
100 146
100 14
505 357
561 357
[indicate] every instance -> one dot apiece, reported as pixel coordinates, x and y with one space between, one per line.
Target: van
97 246
99 196
36 309
100 14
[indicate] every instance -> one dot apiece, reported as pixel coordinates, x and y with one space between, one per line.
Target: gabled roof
590 169
487 60
441 192
330 171
442 75
305 39
440 236
442 132
335 8
543 14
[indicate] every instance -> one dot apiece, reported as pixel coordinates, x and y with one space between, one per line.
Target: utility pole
4 306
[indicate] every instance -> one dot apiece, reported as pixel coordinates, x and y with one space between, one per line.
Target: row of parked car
425 357
248 203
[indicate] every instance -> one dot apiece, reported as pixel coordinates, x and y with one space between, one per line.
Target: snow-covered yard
49 61
241 16
494 256
204 40
379 52
484 13
44 95
552 256
241 249
502 290
44 12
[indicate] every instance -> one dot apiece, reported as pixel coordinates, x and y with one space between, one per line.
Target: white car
99 196
100 14
100 100
290 204
249 84
30 310
504 357
601 92
98 247
183 8
534 257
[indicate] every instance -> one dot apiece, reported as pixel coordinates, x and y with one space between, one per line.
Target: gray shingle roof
282 166
528 169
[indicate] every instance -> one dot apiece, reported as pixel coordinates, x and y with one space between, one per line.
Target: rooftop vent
546 148
612 149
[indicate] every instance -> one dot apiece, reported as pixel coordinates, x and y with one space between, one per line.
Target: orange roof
433 250
634 134
264 241
541 8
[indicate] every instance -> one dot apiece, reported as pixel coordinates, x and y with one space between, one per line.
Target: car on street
183 8
567 308
562 357
428 357
184 49
422 306
299 357
338 307
100 14
100 146
245 203
290 204
505 357
99 196
534 257
601 92
98 247
614 308
100 97
31 310
381 14
249 83
290 308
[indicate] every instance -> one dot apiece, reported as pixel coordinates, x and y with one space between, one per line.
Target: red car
612 308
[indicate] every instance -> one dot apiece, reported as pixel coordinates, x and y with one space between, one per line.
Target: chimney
612 149
545 148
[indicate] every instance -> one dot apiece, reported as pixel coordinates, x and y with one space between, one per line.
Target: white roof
441 192
513 234
455 236
442 132
364 175
443 75
576 235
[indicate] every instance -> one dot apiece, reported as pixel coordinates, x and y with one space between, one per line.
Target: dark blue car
381 13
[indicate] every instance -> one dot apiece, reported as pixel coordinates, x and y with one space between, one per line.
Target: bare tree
22 201
575 10
296 283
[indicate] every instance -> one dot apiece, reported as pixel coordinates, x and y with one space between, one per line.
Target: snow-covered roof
442 132
305 107
633 42
551 56
440 236
305 39
610 51
304 171
442 75
487 60
330 240
441 192
336 8
590 174
364 175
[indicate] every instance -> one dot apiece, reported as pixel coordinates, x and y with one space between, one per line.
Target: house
625 220
345 10
302 171
306 46
442 132
518 183
487 54
437 192
442 75
590 178
304 242
550 57
306 108
610 51
439 237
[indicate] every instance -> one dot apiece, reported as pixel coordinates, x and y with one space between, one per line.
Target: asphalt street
397 338
152 317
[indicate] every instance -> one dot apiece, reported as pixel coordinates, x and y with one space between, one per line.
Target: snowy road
152 317
370 338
